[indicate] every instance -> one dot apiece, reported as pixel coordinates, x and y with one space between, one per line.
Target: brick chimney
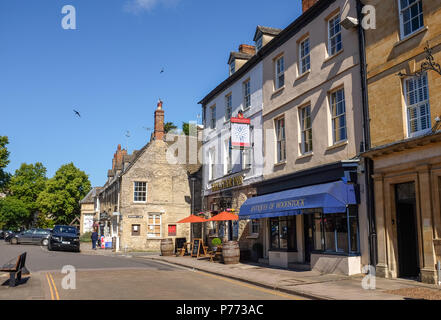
159 122
248 49
118 157
306 4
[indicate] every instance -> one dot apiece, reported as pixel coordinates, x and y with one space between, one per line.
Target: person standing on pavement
94 239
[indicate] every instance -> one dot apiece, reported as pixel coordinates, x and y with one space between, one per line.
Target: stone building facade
149 191
405 111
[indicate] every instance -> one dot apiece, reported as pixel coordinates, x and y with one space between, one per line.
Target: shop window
235 230
254 226
154 226
136 229
172 230
221 227
336 232
283 233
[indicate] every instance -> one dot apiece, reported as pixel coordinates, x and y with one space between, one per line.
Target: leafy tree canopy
27 183
61 196
13 213
169 127
4 161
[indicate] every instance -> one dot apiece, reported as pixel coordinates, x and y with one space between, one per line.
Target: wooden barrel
231 252
167 247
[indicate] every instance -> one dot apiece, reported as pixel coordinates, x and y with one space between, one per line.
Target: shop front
312 227
407 182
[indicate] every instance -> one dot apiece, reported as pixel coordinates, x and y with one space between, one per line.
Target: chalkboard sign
196 247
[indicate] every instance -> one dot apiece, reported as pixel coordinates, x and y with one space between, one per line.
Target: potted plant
215 243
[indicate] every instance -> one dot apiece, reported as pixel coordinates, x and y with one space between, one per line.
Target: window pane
353 234
283 234
274 226
329 227
342 232
318 232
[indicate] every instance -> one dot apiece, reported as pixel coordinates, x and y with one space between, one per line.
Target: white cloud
139 6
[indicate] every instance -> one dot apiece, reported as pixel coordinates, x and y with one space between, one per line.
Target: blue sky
109 70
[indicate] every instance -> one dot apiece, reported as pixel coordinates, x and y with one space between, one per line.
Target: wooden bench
15 269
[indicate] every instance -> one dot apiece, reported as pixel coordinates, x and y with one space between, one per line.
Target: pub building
310 219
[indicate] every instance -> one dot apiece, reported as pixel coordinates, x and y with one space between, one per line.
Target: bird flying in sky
77 113
162 70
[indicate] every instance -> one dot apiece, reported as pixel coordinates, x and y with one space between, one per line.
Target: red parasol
192 219
224 216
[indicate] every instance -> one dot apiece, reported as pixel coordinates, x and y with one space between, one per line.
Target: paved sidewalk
86 248
310 284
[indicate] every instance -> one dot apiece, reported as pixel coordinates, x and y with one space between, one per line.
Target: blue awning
331 197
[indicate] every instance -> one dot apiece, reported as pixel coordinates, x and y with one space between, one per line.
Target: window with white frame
154 225
259 43
247 153
411 16
228 157
306 129
213 117
280 72
418 108
211 166
140 192
228 107
338 111
304 54
335 44
232 67
280 139
246 94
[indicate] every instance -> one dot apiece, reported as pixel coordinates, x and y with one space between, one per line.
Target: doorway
308 232
408 263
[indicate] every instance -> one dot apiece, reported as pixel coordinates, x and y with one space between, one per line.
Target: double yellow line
52 287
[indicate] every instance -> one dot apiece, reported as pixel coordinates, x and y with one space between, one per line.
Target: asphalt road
119 278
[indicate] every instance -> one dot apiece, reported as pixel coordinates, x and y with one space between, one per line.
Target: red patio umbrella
192 219
224 216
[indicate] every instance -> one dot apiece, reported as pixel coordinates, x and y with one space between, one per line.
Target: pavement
106 275
309 284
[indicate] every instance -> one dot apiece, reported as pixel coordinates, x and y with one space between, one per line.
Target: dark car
8 234
31 236
64 238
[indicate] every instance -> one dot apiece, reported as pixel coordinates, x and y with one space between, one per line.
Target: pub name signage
287 204
227 183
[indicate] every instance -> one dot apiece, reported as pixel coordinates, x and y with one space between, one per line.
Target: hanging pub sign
240 132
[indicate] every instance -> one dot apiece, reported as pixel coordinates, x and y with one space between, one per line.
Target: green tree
59 200
27 183
4 161
169 127
13 213
186 128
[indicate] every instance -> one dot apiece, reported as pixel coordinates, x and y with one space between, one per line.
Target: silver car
32 236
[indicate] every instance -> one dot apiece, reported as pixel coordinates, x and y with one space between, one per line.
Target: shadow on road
17 282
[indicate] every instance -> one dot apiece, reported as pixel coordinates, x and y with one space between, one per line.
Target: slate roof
266 30
89 198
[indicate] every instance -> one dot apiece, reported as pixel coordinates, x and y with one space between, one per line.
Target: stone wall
168 195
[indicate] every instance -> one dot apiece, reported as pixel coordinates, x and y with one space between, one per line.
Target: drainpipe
368 163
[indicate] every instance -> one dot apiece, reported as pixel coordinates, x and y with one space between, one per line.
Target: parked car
2 234
8 234
31 236
64 238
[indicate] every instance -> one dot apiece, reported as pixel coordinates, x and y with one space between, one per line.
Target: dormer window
232 67
259 43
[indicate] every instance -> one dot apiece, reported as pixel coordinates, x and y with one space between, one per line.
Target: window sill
305 156
279 164
411 36
334 253
303 75
337 145
253 236
278 90
333 56
283 250
139 202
